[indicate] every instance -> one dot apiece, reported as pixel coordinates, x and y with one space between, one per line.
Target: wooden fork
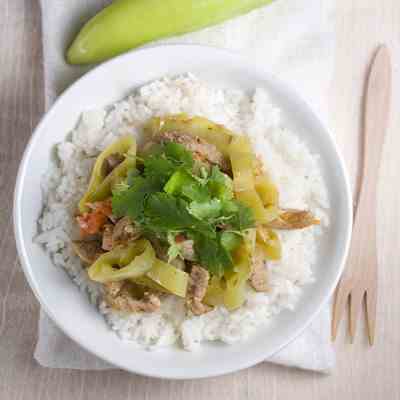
360 278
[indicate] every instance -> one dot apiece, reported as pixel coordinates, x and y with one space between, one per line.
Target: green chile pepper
138 263
134 261
99 185
126 24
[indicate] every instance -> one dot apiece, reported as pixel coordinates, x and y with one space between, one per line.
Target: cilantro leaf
183 184
166 159
158 168
167 213
209 210
220 185
131 201
132 174
237 215
151 149
178 154
212 255
230 240
195 192
243 219
175 152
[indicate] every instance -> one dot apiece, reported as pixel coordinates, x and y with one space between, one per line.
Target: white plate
70 309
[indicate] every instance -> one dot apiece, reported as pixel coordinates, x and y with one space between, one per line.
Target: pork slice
197 288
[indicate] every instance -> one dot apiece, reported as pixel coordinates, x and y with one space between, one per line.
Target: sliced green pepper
215 292
116 176
149 283
138 263
172 279
132 261
250 240
231 289
269 243
267 190
205 129
235 292
251 199
264 185
235 295
241 157
99 186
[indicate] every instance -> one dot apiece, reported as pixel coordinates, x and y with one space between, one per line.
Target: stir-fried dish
192 213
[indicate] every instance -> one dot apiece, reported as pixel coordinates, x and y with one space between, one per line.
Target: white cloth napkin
295 39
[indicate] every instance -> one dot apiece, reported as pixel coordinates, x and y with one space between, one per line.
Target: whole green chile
126 24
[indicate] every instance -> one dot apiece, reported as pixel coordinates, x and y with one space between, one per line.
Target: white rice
294 169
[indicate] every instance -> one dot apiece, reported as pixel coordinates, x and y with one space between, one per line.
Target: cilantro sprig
168 194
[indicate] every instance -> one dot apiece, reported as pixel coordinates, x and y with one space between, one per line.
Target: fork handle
363 255
376 116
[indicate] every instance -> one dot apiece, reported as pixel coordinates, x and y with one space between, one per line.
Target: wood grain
360 278
361 373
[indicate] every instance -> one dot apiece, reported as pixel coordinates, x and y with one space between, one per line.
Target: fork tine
341 297
370 311
356 300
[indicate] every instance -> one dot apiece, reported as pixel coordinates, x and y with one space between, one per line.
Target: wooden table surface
361 373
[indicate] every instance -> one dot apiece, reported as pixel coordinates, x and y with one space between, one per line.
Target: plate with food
184 218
